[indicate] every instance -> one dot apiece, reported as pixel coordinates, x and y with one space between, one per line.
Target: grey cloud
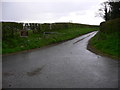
18 11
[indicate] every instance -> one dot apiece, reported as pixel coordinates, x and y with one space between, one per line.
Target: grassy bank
38 40
107 40
108 46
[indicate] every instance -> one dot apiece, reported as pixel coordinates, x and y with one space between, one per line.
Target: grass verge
106 45
37 40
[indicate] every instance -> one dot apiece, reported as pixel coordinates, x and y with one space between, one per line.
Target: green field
37 40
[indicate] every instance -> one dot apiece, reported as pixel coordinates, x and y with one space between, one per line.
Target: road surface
66 65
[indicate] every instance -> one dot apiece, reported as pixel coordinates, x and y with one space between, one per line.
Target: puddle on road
35 72
82 38
7 74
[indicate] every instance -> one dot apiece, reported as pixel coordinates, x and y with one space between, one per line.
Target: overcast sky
50 11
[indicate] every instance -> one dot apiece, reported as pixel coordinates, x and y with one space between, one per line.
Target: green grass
0 47
107 43
38 40
107 40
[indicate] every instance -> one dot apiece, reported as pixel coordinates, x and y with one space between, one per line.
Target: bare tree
104 11
110 10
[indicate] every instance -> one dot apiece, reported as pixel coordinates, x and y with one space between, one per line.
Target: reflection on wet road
66 65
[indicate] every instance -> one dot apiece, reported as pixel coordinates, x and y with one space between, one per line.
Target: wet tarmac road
66 65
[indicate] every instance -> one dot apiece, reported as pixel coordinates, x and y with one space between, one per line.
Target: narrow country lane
66 65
